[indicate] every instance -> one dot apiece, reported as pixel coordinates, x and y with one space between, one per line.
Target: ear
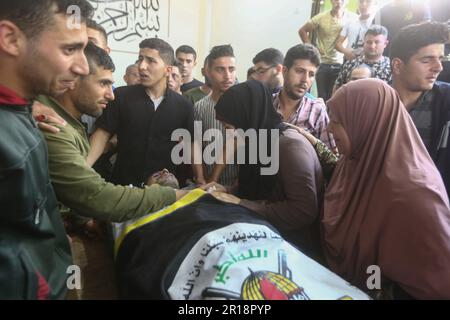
168 70
279 68
285 71
11 38
396 66
108 50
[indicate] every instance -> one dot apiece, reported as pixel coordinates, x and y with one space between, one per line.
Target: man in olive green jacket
76 184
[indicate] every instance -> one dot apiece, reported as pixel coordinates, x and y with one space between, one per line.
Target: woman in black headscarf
290 197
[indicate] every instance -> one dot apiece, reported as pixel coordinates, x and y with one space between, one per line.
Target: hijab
247 106
386 204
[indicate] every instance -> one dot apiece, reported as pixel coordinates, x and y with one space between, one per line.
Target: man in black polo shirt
144 117
416 54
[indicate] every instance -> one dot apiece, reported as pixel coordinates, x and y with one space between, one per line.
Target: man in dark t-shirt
144 118
187 57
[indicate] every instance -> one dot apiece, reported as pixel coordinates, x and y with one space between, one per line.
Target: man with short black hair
76 184
222 75
144 118
41 52
375 40
294 102
187 57
198 93
268 66
416 54
174 80
97 35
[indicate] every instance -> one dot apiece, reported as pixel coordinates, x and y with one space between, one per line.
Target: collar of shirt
71 120
423 102
277 105
9 97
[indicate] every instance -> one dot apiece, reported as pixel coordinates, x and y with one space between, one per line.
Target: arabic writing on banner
252 262
128 22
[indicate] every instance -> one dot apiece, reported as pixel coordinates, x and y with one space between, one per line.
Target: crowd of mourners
356 119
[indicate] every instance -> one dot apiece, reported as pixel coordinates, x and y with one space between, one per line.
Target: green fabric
82 189
194 95
34 249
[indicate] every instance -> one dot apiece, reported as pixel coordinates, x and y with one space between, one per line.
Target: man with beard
76 184
417 53
375 40
41 52
294 103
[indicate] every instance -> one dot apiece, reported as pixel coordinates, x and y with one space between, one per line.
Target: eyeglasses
264 70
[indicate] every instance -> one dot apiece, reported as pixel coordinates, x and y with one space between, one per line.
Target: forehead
223 62
96 36
150 53
261 65
304 64
432 50
59 32
372 37
104 73
185 56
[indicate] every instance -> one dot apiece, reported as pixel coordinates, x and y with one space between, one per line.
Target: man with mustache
375 40
294 102
41 52
417 53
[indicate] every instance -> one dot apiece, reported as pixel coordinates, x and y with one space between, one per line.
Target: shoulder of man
317 102
442 89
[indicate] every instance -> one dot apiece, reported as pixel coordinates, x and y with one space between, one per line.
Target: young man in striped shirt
294 103
221 72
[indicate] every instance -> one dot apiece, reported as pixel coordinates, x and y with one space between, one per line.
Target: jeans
326 77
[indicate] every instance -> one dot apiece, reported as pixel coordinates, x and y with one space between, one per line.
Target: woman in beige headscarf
386 204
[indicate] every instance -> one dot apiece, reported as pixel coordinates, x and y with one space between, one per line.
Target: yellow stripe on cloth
188 199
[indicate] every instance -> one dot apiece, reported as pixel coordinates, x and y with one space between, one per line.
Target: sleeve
315 21
109 120
197 115
82 189
344 31
189 122
321 125
327 159
298 174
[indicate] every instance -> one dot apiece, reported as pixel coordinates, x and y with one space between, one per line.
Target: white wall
248 25
253 25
